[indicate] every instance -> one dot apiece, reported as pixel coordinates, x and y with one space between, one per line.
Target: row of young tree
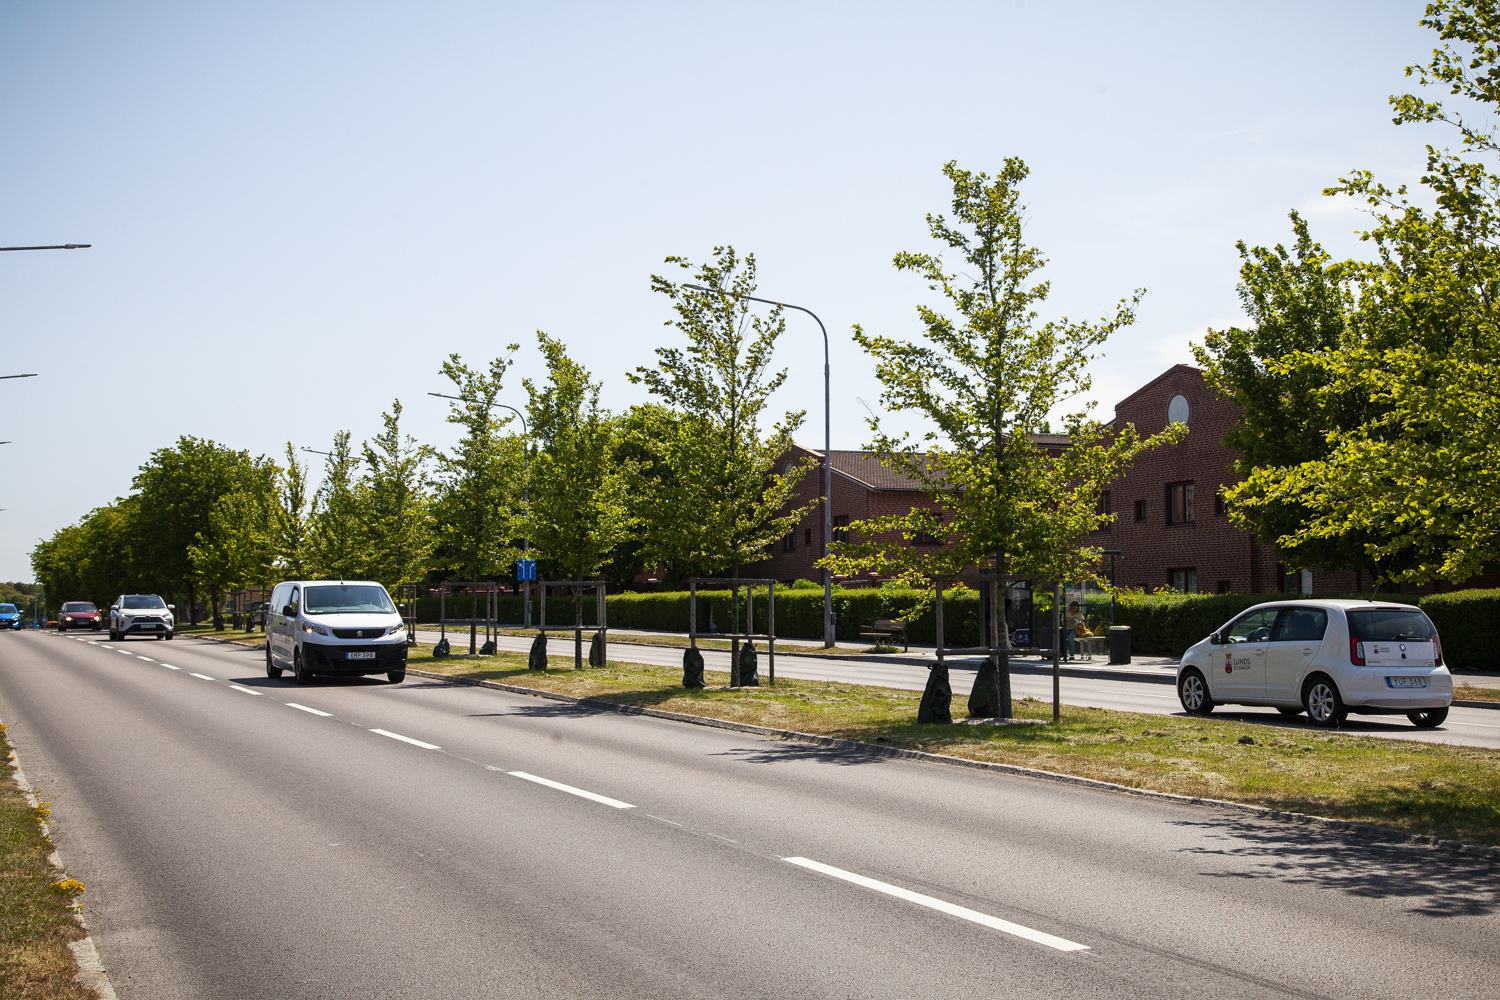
684 484
1369 394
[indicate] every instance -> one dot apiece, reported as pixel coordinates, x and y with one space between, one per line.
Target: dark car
10 616
78 614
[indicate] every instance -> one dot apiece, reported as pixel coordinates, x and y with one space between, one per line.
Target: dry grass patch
36 908
1469 692
1430 788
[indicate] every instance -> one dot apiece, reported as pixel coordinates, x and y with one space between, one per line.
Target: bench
883 630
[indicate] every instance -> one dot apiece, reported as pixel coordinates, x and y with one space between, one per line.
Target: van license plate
1406 682
371 656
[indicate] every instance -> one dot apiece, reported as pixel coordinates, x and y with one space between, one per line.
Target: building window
841 527
1218 505
789 543
807 536
1223 586
1184 581
1140 510
1179 503
923 538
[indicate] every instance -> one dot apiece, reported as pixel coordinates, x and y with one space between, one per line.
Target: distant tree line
684 484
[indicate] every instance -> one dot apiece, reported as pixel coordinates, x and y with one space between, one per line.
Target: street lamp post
827 446
525 493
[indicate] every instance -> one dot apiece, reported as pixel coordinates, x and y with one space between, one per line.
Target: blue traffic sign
525 569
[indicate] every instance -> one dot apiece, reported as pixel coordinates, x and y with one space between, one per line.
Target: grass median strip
1428 788
36 904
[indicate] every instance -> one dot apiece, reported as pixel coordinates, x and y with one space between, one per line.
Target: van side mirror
1217 638
114 607
171 607
289 611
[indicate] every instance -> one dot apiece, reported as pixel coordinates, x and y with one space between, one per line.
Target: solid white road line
952 909
407 739
236 687
312 711
170 667
602 799
202 676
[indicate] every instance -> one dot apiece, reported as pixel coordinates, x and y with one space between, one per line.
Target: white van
338 628
1325 658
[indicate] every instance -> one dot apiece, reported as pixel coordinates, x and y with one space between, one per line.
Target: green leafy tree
238 550
1392 465
396 516
477 485
580 509
292 519
177 490
723 502
338 535
985 381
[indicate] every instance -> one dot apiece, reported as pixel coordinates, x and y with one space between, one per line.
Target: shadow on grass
1435 885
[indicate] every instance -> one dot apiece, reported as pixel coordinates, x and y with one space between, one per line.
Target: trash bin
1119 645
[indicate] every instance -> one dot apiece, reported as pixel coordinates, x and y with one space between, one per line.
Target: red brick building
1170 527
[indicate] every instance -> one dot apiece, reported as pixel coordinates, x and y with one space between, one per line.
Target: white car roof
1340 603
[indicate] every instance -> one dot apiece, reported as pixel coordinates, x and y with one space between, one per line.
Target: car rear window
73 607
1390 624
346 599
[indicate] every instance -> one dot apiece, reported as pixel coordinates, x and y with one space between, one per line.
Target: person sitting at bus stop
1074 624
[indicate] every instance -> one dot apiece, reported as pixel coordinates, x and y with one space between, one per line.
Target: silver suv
140 614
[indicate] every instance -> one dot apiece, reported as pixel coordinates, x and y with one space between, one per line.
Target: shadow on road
1436 883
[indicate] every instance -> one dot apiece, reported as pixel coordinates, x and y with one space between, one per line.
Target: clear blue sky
298 210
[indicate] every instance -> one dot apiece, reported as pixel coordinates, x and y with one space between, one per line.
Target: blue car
10 616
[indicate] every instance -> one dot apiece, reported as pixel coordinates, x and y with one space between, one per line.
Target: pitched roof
865 468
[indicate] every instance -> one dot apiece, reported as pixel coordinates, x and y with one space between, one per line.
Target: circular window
1177 410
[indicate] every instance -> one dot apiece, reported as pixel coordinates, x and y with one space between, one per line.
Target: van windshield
143 602
350 599
1390 625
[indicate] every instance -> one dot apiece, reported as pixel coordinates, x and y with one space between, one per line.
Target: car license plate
360 656
150 626
1406 682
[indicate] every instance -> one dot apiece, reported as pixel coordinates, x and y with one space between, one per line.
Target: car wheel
62 628
272 670
1428 718
1324 706
96 627
1290 713
1192 691
396 676
299 668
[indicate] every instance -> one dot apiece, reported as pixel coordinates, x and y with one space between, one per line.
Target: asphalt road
244 837
1477 727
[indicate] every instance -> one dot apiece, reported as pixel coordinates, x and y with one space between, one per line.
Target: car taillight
1437 650
1356 652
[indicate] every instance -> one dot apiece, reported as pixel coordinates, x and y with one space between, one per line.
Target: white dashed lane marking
146 658
204 677
170 667
236 687
406 739
942 906
591 796
311 711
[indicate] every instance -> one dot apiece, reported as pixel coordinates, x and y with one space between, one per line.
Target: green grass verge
668 639
1469 692
36 907
1436 789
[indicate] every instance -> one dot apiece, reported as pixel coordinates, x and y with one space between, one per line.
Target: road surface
244 837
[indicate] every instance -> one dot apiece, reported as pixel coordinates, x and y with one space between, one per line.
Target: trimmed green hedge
1468 622
1161 624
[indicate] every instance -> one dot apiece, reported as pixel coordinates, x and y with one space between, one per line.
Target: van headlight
395 630
314 627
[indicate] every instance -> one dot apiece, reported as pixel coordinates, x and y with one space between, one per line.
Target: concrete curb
1475 703
91 972
1370 831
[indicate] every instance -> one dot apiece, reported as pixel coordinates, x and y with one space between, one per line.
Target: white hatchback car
1325 658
